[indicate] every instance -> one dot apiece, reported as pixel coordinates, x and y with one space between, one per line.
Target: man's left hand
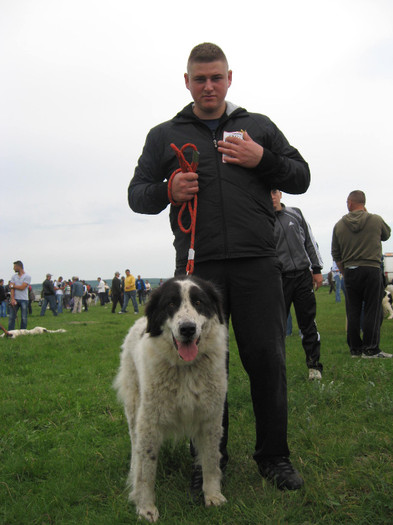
317 279
246 152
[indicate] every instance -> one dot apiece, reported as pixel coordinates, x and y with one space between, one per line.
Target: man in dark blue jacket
234 238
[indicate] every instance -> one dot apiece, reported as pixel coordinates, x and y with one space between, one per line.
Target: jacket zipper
224 229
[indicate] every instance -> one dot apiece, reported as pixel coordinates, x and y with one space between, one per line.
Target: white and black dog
11 334
387 302
173 381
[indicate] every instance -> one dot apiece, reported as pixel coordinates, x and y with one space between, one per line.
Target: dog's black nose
188 330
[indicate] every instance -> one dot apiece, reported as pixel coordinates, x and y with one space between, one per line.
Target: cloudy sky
83 81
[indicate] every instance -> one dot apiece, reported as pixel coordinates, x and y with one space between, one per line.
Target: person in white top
101 290
19 288
59 287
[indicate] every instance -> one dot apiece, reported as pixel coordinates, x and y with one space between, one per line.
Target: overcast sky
82 82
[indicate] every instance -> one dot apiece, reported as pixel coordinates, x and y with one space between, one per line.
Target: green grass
64 446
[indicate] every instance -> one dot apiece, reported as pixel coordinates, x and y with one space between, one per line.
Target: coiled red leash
186 167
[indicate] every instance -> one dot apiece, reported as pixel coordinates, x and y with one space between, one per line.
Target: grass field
64 446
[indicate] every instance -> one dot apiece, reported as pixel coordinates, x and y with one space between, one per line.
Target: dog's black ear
216 299
154 314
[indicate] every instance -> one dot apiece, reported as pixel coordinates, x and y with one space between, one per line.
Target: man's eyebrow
200 77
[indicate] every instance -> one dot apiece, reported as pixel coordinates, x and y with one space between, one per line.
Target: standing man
129 293
19 290
49 294
67 294
301 273
116 291
357 249
141 290
338 280
85 297
3 300
101 291
59 289
77 291
234 238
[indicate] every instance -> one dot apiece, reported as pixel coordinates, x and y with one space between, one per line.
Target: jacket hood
356 220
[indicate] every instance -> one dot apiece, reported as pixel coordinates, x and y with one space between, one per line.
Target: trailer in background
388 267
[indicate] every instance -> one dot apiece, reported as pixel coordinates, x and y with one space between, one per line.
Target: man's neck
209 116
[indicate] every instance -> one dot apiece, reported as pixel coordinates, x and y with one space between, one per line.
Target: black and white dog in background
173 381
387 302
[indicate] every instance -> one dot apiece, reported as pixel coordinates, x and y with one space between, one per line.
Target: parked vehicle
388 267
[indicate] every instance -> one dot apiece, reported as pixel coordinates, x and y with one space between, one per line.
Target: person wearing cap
116 292
19 290
49 295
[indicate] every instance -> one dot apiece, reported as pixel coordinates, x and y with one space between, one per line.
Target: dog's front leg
208 443
146 455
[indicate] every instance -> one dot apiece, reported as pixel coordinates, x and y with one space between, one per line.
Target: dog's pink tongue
187 351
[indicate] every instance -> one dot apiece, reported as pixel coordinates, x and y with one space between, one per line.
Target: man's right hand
184 186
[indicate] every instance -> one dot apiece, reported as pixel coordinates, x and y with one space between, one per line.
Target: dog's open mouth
187 350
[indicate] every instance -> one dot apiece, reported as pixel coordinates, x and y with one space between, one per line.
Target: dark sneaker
280 472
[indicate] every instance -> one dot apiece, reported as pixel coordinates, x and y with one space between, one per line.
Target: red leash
186 167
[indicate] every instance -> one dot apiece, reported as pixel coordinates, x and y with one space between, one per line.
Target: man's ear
229 77
187 80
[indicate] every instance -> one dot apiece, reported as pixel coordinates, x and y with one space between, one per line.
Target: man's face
208 84
276 199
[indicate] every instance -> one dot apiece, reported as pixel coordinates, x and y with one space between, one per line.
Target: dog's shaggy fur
34 331
172 381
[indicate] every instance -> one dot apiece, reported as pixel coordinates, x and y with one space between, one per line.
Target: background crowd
74 295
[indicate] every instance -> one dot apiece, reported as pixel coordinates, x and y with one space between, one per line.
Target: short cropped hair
357 196
19 263
206 52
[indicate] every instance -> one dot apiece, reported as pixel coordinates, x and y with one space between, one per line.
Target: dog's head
183 310
387 296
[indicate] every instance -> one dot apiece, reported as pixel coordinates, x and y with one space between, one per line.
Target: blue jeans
3 309
51 299
338 280
59 298
23 305
127 296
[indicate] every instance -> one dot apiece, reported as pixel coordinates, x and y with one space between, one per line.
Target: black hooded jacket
235 215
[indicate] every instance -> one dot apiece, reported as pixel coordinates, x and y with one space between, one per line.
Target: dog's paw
150 513
214 500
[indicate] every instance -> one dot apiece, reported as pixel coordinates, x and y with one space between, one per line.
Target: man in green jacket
357 249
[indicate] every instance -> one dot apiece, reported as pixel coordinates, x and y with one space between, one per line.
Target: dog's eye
197 302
